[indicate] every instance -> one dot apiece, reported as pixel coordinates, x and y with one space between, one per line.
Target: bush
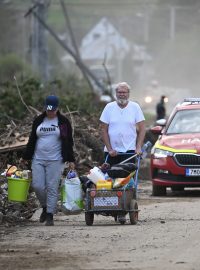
74 94
11 65
11 102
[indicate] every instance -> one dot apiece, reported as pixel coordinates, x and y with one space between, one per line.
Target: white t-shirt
122 125
48 145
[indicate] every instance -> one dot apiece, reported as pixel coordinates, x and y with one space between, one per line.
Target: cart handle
145 148
135 155
136 173
120 153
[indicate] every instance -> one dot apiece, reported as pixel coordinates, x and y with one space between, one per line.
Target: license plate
192 172
105 201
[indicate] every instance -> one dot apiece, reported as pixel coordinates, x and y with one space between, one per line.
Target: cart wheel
89 218
133 214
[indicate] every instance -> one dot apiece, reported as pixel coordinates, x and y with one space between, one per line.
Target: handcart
114 202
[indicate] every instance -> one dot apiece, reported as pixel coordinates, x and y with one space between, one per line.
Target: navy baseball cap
51 103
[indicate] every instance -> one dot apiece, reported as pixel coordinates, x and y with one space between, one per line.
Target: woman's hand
71 165
23 162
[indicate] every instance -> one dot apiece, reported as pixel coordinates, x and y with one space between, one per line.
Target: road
165 237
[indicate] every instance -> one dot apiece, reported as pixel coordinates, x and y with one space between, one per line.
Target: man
160 108
122 125
123 129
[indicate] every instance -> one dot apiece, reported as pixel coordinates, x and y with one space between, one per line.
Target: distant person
50 145
160 108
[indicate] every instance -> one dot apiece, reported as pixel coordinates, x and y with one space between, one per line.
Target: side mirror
156 130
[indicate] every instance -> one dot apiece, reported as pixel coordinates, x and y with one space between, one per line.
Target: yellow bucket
18 189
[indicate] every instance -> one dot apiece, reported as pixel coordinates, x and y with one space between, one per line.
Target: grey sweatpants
45 181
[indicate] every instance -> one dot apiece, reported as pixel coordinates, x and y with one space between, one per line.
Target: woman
50 145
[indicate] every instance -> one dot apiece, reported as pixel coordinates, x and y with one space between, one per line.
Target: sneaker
43 215
49 219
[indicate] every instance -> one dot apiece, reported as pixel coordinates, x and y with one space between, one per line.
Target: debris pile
14 137
87 144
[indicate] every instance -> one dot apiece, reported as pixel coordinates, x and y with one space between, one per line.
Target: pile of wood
14 136
87 143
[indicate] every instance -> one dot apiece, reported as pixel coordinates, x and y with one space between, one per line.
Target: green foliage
74 95
10 101
11 65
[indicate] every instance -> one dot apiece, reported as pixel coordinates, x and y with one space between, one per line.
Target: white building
104 47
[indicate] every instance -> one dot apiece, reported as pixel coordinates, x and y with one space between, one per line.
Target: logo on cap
49 107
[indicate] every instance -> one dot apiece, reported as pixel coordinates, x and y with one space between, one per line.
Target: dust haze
153 45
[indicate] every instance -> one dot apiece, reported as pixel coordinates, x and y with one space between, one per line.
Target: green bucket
18 189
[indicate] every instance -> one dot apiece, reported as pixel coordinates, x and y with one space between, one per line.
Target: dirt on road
165 237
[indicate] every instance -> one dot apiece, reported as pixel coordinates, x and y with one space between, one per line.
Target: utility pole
172 22
79 62
73 41
39 51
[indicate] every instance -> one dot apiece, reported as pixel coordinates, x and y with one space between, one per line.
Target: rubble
87 145
14 136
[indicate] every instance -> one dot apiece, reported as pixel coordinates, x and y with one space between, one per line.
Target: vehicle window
187 121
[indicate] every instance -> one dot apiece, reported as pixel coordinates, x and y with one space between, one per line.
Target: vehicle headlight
160 153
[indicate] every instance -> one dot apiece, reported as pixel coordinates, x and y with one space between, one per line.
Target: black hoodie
65 135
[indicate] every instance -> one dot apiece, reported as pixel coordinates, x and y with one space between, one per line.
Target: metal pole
68 23
78 61
172 22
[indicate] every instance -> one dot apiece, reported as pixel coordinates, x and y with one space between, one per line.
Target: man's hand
112 153
138 150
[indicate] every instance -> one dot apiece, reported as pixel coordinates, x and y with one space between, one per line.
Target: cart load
113 191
